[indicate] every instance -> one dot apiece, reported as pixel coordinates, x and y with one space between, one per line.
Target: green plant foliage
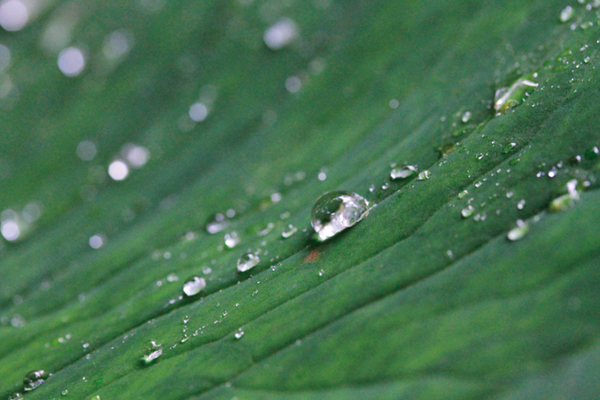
419 300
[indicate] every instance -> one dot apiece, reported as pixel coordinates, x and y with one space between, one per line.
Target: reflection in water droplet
335 211
403 172
506 98
519 232
34 379
193 286
247 261
280 34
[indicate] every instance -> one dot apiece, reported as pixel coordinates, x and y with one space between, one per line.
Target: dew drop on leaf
335 211
247 261
508 97
518 232
193 286
403 172
34 379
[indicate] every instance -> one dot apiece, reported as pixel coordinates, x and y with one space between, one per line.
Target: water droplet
217 223
34 379
403 172
291 230
152 352
506 98
567 200
335 211
97 241
232 239
86 150
467 211
71 61
247 261
566 14
521 204
509 147
136 156
519 232
64 392
466 117
193 286
462 194
118 170
424 175
281 34
15 396
238 335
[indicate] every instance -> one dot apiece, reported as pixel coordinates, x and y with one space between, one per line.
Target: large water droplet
506 98
247 261
232 239
34 379
335 211
193 286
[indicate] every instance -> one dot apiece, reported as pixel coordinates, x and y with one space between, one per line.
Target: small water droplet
247 261
193 286
34 379
335 211
232 239
281 34
152 352
467 211
566 14
506 98
217 223
521 204
509 147
462 194
64 392
466 117
423 175
403 172
239 334
15 396
288 233
519 232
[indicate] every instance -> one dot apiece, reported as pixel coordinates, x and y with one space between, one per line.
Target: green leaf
417 301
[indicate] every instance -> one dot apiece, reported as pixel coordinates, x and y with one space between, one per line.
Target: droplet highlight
193 286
